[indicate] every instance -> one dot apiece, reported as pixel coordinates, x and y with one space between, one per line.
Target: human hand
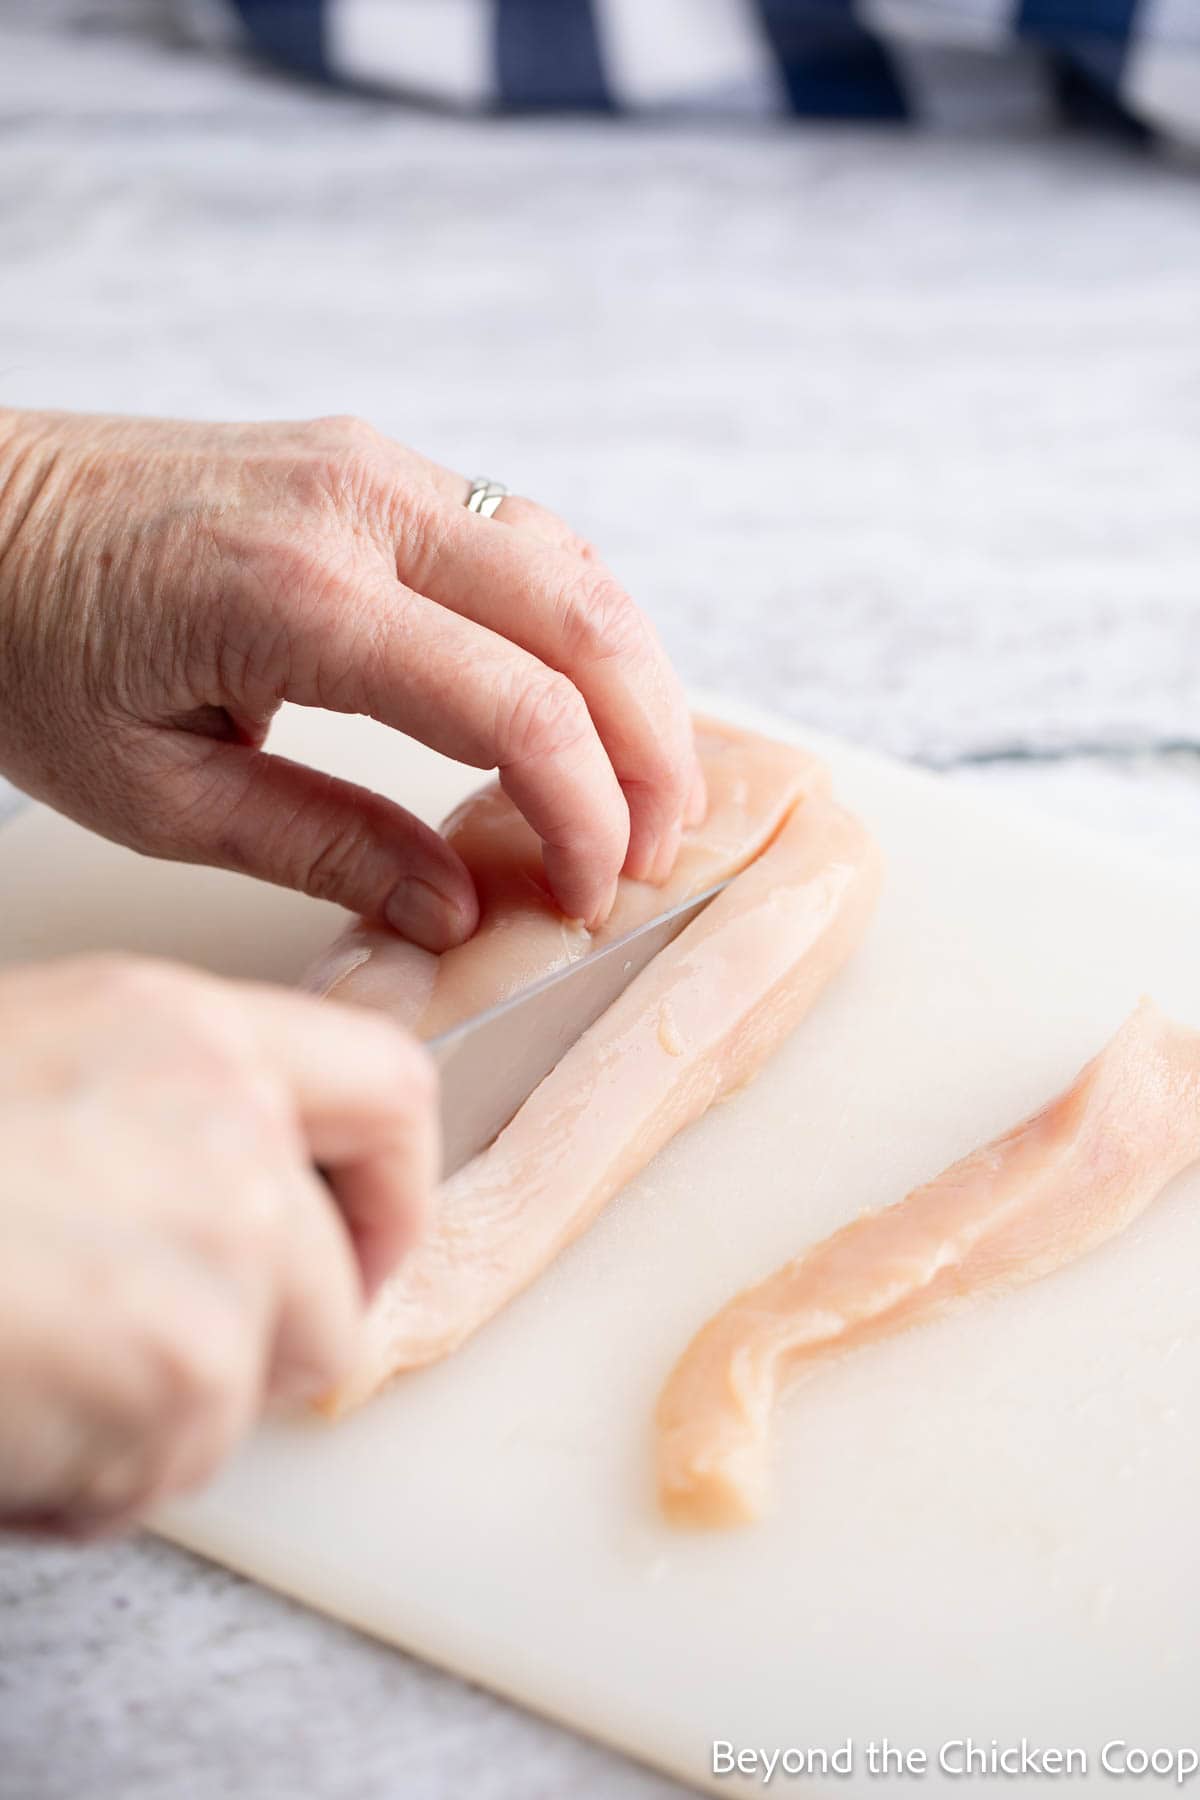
169 1256
164 586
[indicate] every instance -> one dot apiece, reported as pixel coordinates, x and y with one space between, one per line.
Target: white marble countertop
898 436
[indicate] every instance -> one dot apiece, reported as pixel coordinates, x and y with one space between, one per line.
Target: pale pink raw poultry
696 1023
1065 1180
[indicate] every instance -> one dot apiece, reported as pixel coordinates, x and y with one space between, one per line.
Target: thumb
237 808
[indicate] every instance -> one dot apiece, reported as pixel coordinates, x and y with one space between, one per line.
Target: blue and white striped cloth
993 63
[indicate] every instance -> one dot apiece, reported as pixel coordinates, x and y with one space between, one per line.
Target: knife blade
491 1063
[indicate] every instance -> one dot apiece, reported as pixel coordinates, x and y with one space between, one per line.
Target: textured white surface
898 436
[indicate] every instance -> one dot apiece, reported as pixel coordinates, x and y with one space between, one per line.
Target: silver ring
485 496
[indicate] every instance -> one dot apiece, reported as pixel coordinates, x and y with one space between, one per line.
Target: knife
491 1063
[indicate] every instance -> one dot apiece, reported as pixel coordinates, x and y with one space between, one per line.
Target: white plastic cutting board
985 1528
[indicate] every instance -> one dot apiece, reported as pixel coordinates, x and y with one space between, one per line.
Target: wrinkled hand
169 1258
164 586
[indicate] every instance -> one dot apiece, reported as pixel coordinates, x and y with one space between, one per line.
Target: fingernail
421 912
668 850
602 912
697 804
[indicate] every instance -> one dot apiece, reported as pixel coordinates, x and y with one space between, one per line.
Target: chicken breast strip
1064 1181
697 1022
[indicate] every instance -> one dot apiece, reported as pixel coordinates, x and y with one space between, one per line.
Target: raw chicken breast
1073 1175
753 785
694 1024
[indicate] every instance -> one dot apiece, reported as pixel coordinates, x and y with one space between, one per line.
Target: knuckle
133 984
237 1107
117 1487
341 480
340 469
547 717
338 443
404 1066
344 429
336 864
350 445
290 573
245 1129
239 1229
201 1368
210 1027
179 1356
210 1446
601 619
419 524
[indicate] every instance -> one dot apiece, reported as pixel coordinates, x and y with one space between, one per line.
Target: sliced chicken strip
1070 1177
694 1024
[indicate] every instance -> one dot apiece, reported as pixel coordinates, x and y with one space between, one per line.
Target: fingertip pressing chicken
754 784
1075 1174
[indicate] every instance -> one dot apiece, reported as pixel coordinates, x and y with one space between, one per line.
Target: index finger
472 694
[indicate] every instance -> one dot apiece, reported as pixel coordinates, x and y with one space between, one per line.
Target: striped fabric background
1134 64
